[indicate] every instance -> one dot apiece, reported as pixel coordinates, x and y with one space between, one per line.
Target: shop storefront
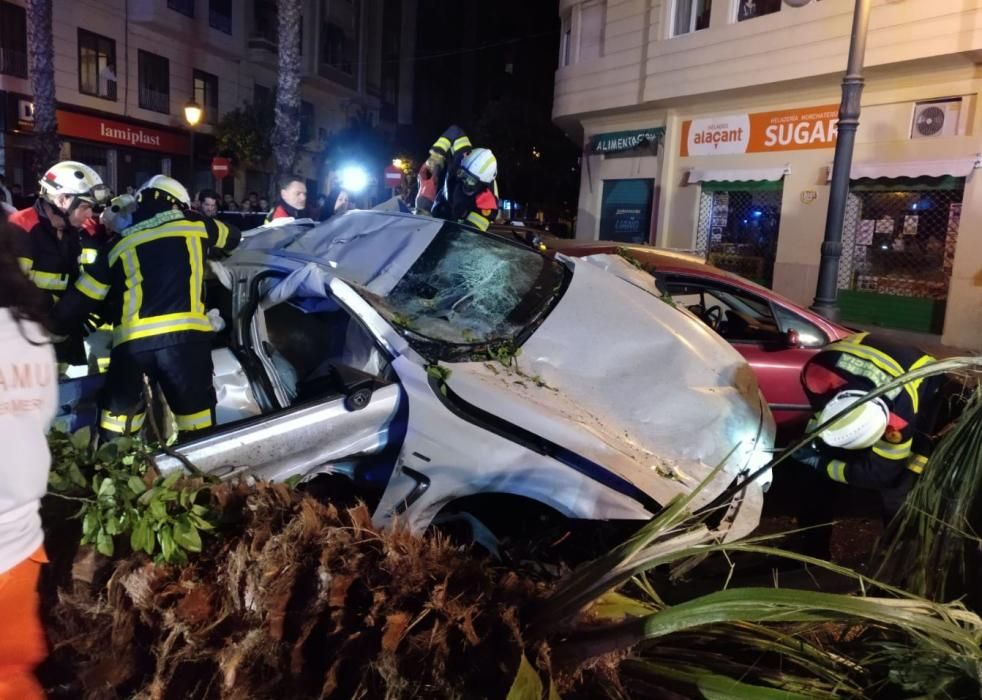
125 153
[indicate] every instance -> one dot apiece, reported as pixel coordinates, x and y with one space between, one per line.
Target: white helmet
73 178
858 429
169 186
481 164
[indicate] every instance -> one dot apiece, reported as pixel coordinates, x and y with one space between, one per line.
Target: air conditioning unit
936 119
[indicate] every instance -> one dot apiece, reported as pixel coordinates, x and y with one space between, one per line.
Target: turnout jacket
868 362
152 279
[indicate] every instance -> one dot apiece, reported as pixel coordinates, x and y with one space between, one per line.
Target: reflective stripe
25 265
102 363
916 384
442 144
91 287
878 358
133 296
461 143
177 230
116 423
88 256
479 221
890 451
837 471
197 274
50 281
222 235
917 463
194 421
158 325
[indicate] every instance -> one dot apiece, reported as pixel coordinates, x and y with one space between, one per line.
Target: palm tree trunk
47 145
286 126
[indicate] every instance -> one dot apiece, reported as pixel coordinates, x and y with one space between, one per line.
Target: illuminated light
192 113
353 178
399 163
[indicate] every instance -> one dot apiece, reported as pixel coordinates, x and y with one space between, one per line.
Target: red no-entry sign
393 176
220 167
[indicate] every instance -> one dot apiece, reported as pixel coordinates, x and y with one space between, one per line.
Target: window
185 7
262 96
757 8
307 119
154 78
566 41
205 90
734 313
336 49
264 24
591 31
809 335
96 65
13 40
691 15
220 15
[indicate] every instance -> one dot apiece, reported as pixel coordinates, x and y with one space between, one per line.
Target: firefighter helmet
481 164
167 187
73 178
858 429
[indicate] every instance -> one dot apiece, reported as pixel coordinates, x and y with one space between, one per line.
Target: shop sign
620 141
92 128
764 132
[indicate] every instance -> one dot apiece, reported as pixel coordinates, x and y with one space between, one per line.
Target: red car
775 335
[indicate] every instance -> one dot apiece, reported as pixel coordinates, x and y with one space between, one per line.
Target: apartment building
125 69
710 125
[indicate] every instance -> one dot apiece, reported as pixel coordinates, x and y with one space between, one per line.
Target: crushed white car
438 364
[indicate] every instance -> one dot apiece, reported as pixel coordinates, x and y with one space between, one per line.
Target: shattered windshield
472 289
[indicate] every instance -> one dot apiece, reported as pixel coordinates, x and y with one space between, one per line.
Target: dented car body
434 364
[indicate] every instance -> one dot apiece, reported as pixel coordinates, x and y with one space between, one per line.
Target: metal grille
900 243
738 231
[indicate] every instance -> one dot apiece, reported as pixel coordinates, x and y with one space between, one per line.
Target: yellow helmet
169 187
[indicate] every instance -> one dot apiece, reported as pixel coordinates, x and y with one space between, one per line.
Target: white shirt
28 400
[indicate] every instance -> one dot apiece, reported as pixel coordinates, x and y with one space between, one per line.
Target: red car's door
759 330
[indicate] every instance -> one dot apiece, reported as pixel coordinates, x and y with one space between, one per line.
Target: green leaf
158 509
76 476
614 607
171 479
104 543
80 439
56 481
187 536
142 537
136 485
167 545
199 509
91 522
112 526
200 522
107 452
107 489
527 684
149 495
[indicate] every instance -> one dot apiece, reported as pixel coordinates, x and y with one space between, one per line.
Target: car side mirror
792 339
358 387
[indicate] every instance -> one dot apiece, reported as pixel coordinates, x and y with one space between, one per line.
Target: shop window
13 40
206 95
220 15
185 7
154 79
625 213
898 240
750 9
591 31
738 227
691 15
96 65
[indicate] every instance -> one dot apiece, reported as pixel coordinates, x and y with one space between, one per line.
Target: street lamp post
192 115
827 288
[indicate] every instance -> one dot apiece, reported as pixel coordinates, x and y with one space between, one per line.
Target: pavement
927 342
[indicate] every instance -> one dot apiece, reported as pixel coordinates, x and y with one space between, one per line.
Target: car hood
630 383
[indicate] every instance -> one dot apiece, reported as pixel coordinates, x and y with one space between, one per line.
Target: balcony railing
13 62
154 100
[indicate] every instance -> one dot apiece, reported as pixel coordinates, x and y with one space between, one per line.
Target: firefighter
459 182
885 443
50 238
153 279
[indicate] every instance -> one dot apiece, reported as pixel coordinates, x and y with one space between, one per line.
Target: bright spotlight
353 178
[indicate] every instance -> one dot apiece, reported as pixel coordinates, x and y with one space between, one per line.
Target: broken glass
472 289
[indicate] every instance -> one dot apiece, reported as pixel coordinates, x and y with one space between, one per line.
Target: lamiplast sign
763 132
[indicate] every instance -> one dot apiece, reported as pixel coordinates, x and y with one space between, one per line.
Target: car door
341 412
759 330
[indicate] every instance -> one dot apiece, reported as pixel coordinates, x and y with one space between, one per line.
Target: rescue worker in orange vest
459 182
50 245
884 443
153 279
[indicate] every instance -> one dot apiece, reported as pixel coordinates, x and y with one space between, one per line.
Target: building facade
710 125
125 69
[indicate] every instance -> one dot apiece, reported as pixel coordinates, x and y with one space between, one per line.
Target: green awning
620 141
743 186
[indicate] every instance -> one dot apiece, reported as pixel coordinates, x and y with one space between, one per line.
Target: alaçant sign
764 132
621 141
